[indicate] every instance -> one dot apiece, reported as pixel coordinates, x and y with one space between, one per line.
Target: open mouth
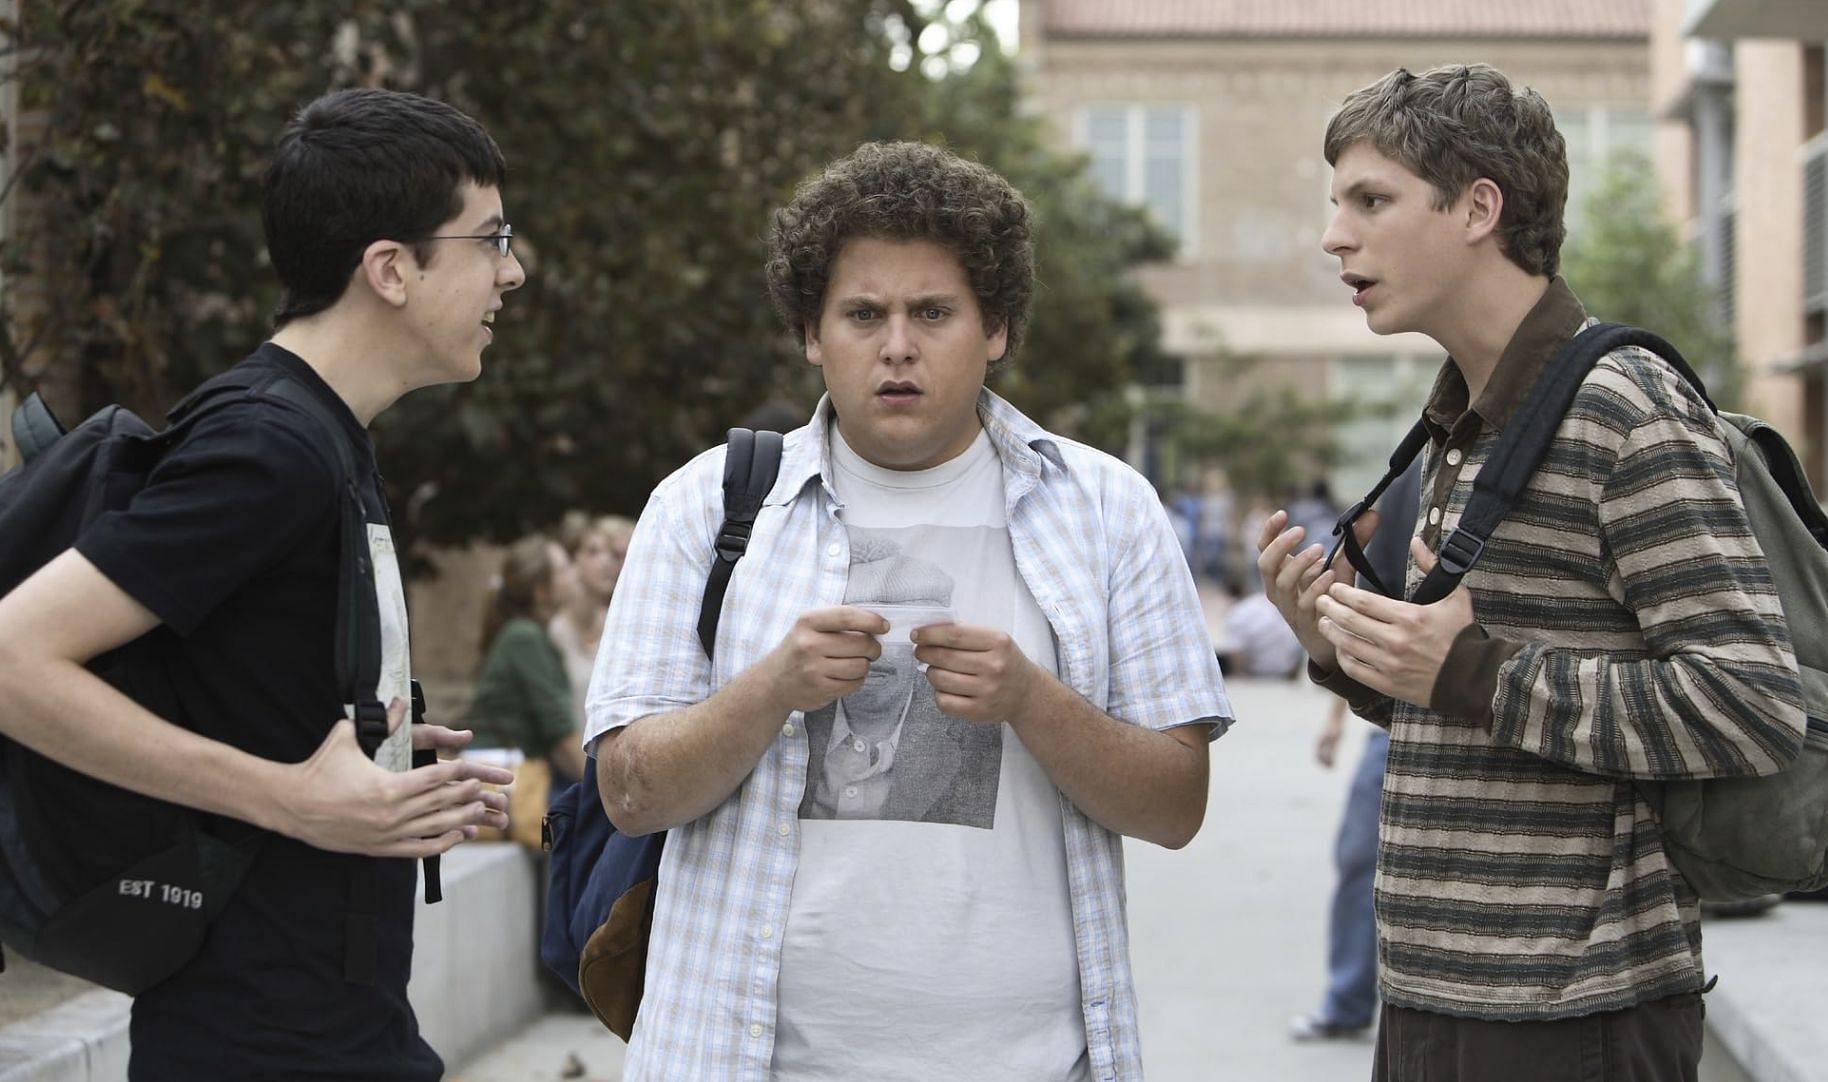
488 324
898 392
1361 286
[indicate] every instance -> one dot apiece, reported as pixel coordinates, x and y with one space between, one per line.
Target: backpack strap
358 613
1526 440
35 427
1513 459
1400 461
752 460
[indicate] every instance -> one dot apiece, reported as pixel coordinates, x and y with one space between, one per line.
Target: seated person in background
596 552
523 698
1258 641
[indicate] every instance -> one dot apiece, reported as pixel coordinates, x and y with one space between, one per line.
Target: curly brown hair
906 191
1452 125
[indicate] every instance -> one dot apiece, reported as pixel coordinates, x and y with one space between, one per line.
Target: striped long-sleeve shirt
1627 629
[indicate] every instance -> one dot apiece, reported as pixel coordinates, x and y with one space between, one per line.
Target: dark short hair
906 191
359 166
1452 125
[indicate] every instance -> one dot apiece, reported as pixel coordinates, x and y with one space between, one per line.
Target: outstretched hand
1295 580
339 800
1391 646
439 738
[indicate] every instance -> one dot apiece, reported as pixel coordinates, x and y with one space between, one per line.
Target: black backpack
1732 838
601 883
97 881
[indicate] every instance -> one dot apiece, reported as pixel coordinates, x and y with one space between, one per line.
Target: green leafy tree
1628 264
1093 331
647 144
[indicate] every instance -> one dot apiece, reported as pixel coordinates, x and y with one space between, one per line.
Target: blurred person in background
596 553
1257 641
523 697
1350 1004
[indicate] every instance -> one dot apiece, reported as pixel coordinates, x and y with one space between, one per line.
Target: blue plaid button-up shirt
1092 545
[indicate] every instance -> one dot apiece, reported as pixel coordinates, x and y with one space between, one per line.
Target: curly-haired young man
1620 627
936 889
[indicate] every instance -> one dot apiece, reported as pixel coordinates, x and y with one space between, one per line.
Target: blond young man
1619 628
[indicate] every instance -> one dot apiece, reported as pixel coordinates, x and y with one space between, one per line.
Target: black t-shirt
233 544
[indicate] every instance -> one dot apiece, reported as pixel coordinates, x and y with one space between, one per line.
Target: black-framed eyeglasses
503 238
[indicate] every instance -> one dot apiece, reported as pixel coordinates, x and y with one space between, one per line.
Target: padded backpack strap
1400 460
35 427
1524 442
752 460
358 612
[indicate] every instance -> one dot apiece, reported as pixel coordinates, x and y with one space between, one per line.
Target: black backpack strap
35 427
358 613
434 885
1400 461
1526 440
752 460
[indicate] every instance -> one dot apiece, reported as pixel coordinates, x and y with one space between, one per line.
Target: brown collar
1557 317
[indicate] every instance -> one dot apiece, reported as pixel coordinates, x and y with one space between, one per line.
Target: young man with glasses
384 221
898 854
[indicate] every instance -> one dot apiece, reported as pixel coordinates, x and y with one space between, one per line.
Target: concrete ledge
1770 1008
476 954
475 978
80 1040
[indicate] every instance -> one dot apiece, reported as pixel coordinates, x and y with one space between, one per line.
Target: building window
1145 155
1594 134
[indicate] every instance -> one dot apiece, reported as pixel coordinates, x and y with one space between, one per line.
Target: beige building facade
1742 150
1211 115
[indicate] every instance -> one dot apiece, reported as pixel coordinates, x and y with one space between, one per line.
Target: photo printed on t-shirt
886 751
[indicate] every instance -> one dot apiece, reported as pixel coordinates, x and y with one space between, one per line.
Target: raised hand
1393 646
977 673
825 656
1296 580
341 801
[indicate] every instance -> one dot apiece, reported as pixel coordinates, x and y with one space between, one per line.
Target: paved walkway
1228 935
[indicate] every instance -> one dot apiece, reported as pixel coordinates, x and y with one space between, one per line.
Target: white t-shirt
931 931
396 752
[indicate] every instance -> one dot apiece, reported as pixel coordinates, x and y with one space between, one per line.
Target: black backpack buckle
1460 552
733 540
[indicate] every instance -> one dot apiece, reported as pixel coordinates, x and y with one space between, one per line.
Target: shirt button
755 1030
856 745
767 931
787 729
1434 516
834 550
1453 457
850 790
783 830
